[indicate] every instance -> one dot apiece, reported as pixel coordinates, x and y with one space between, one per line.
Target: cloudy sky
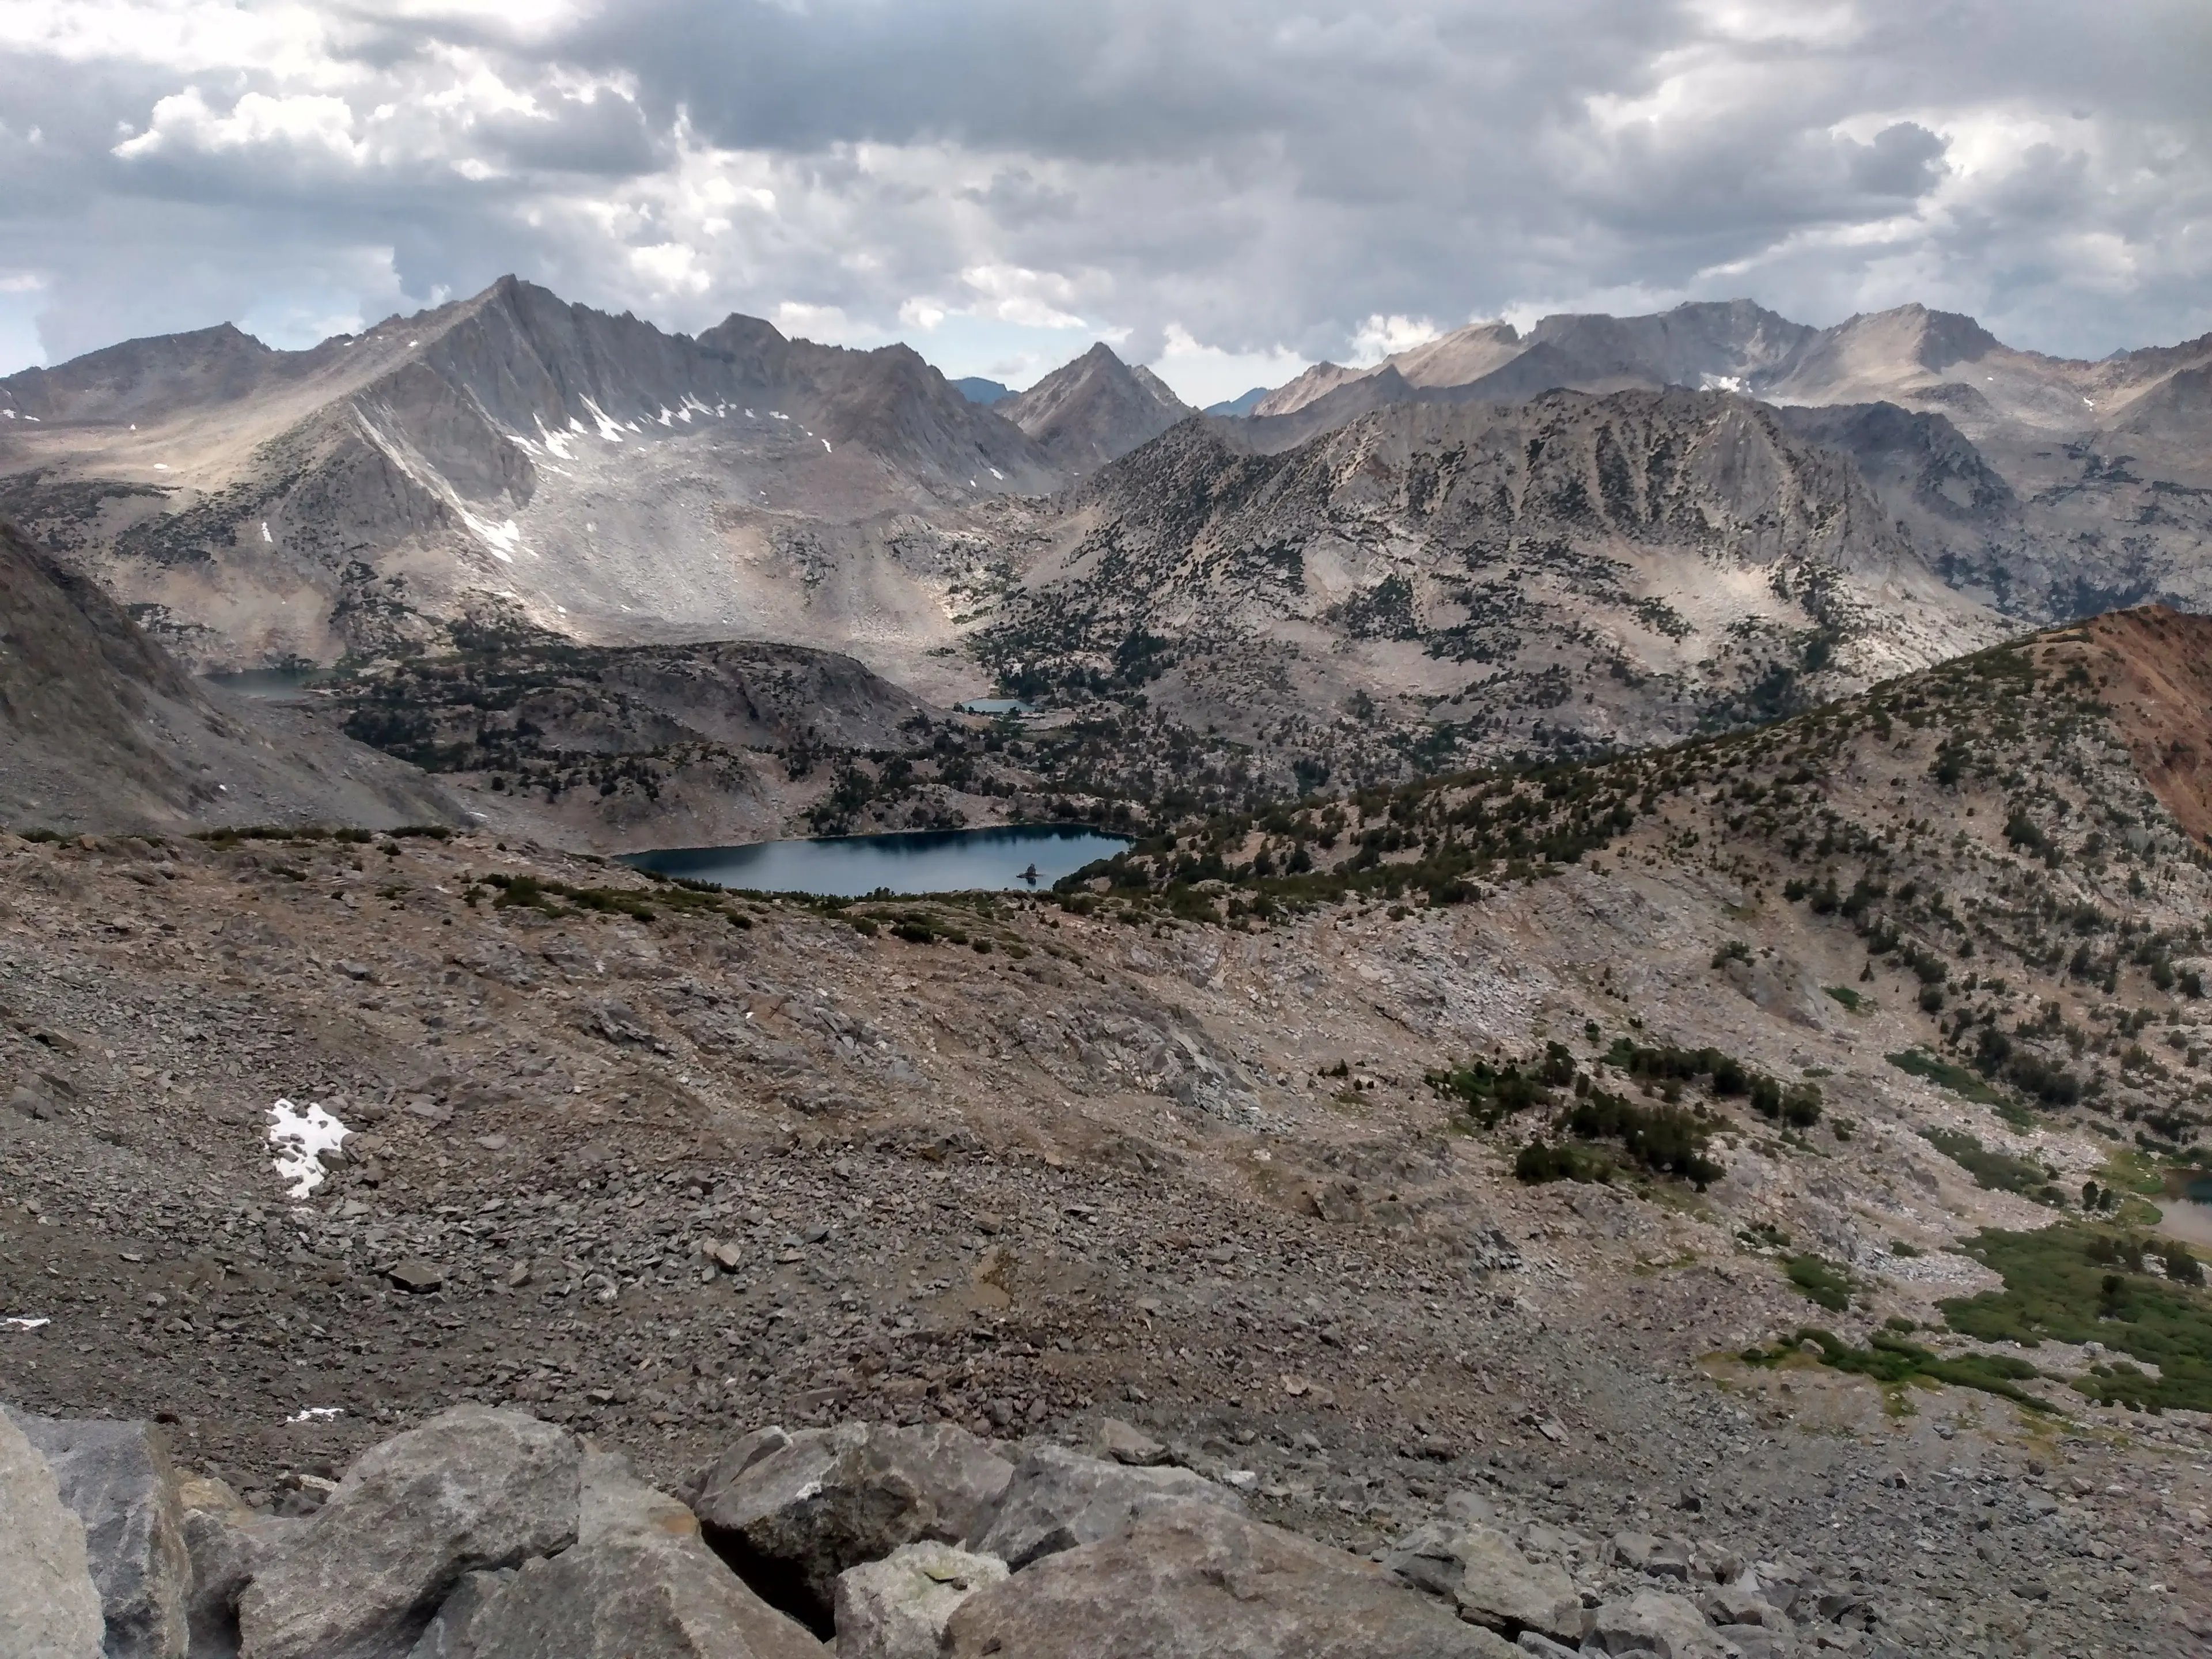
1226 188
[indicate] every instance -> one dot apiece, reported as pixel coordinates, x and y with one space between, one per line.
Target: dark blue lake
1025 858
266 685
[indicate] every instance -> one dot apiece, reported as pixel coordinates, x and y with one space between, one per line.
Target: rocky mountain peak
1090 412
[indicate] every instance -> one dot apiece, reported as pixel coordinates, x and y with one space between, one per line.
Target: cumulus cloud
1219 189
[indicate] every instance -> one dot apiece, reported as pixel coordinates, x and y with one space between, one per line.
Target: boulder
791 1521
1735 1604
1125 1443
1656 1623
1061 1500
453 1630
226 1542
896 1608
1491 1582
474 1488
639 1583
1189 1578
49 1606
118 1479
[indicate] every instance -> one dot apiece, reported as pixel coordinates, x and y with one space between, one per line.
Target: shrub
1537 1163
1820 1280
1993 1171
2059 1285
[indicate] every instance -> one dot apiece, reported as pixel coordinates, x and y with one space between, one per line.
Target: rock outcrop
471 1489
118 1479
48 1605
1191 1578
791 1517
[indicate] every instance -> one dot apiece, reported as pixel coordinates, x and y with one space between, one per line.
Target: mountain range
1684 516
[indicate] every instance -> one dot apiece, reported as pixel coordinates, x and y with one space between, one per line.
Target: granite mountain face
514 454
1572 572
1735 512
1095 410
2047 487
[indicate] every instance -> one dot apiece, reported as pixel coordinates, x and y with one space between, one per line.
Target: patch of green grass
1851 999
1822 1280
1994 1171
2133 1171
1892 1361
2071 1283
1944 1074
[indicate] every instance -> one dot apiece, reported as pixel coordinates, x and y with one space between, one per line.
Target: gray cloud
1244 176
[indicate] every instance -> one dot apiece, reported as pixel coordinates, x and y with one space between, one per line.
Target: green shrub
1917 1062
1994 1171
1889 1360
1822 1280
2060 1285
1537 1163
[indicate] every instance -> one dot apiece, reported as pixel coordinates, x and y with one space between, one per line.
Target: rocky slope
2049 487
587 473
1095 410
619 747
1233 1148
1574 572
100 729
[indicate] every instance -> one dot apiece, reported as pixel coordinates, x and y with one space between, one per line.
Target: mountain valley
1648 1036
1490 1141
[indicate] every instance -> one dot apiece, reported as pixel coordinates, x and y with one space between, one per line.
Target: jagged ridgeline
589 472
2017 836
1573 574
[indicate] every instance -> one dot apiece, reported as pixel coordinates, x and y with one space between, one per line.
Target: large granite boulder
474 1488
1191 1578
1059 1500
791 1517
639 1584
49 1606
118 1479
1491 1582
226 1543
1654 1622
897 1608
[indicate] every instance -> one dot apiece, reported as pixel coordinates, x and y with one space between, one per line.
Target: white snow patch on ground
300 1139
265 535
826 450
557 443
315 1414
21 1322
610 428
502 539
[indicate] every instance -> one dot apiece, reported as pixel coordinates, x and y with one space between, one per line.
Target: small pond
266 685
1022 858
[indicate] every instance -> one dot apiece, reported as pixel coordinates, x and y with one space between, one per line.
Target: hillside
617 747
1736 1152
588 474
2047 487
100 731
1574 572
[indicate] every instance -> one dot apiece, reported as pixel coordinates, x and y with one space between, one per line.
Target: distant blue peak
1243 406
977 390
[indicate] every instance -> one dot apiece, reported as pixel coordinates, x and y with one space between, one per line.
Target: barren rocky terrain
1632 1087
1228 1157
